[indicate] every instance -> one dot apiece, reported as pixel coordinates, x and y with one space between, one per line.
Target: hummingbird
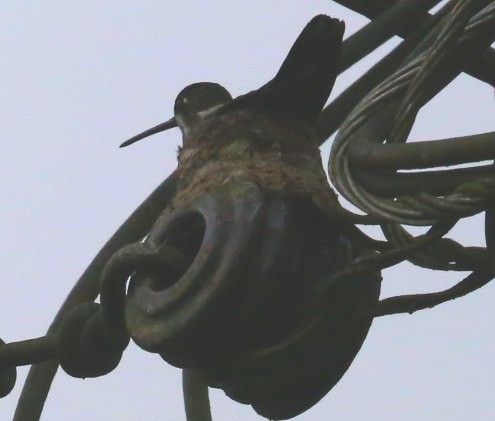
267 132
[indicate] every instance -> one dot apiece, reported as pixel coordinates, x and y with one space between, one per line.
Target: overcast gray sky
78 78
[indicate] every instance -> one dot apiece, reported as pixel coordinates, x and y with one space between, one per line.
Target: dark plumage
298 91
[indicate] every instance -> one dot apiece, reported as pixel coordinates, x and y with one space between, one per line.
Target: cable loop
387 113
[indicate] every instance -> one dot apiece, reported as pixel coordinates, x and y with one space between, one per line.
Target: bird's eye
184 100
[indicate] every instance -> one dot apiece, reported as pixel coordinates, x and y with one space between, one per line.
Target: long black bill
169 124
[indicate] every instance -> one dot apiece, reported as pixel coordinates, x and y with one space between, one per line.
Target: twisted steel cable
413 81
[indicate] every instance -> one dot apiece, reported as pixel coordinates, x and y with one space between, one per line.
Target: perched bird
267 136
299 90
268 131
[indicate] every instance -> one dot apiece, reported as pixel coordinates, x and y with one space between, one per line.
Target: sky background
78 78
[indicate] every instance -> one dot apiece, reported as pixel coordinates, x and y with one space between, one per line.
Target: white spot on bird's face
187 120
209 111
182 125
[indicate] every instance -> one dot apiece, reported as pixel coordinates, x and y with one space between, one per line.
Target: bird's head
193 104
